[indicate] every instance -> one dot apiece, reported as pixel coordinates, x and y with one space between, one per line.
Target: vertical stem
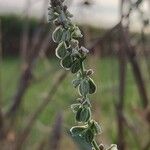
82 69
120 105
1 96
0 65
95 145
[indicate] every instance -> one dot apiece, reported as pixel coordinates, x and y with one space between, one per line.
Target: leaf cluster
72 57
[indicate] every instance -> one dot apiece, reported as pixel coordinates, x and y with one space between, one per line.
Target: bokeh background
36 93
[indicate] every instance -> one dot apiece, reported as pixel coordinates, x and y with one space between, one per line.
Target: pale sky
103 13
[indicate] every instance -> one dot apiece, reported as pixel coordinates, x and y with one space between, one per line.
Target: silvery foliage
72 57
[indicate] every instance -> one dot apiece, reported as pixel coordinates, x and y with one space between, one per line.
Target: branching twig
120 105
130 52
26 131
54 142
1 97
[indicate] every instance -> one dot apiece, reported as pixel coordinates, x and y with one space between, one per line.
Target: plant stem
82 69
95 145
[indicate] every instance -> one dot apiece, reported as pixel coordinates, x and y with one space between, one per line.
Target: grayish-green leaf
84 87
61 50
84 50
92 86
76 66
76 82
78 115
77 130
66 62
85 114
66 35
80 142
89 136
76 33
95 127
75 107
57 35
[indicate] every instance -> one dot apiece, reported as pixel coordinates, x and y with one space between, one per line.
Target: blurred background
36 93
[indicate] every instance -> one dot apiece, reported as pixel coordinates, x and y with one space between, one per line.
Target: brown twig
54 142
120 104
25 35
26 131
103 37
1 97
26 75
130 52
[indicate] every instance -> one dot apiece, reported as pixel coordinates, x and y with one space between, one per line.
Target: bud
74 43
113 147
57 22
95 127
84 50
75 107
80 100
76 33
89 72
65 8
101 147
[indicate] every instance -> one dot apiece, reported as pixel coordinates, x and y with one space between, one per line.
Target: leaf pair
89 136
76 66
61 50
84 87
84 132
95 127
75 107
67 61
60 35
76 32
87 86
78 130
83 114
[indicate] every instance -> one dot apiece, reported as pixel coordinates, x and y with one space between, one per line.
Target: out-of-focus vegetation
103 102
12 29
28 72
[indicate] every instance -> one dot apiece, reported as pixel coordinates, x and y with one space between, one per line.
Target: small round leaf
95 127
92 86
75 107
76 66
61 50
85 114
84 87
76 33
76 82
77 130
66 62
89 136
66 35
57 35
78 115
